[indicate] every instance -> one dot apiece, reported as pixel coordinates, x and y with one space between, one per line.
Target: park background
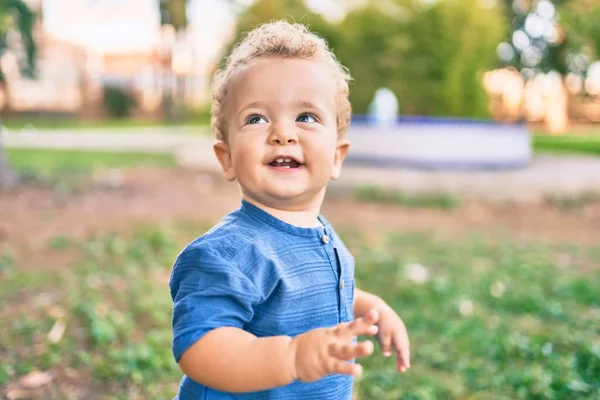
106 172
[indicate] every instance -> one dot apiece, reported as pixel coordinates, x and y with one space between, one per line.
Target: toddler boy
264 302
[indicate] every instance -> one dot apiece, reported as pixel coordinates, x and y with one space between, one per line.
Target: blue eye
307 118
255 119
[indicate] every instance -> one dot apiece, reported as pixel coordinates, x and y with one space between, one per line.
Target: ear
224 156
343 145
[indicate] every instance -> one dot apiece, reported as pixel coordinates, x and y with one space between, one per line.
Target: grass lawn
489 319
68 171
583 144
19 123
60 160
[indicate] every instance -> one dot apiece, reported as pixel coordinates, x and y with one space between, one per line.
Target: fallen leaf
36 379
55 311
58 330
18 394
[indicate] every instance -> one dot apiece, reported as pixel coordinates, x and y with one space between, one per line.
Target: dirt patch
32 217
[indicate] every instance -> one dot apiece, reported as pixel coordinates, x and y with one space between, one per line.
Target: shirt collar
264 216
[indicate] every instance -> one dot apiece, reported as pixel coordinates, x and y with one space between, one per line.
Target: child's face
277 110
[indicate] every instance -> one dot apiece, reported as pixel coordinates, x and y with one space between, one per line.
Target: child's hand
325 351
392 335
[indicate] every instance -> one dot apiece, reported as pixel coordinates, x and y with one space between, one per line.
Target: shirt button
325 239
342 284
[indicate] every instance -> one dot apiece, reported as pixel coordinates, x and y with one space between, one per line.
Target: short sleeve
208 292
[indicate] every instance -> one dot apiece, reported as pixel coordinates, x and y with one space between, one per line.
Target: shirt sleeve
208 292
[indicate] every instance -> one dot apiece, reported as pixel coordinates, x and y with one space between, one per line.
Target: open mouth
285 162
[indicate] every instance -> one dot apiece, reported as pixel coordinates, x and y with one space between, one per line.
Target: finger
360 326
385 340
341 350
400 366
402 346
372 317
346 368
348 351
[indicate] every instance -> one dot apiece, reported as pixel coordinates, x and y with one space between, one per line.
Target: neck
306 217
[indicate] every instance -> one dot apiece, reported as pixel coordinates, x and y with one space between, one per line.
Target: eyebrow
310 104
256 104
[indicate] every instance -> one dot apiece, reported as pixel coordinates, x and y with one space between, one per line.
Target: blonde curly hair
279 39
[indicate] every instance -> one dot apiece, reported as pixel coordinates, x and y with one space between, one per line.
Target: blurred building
112 43
57 85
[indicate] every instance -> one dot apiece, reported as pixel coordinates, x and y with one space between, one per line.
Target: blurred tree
547 35
370 48
581 22
535 41
262 11
432 56
174 12
118 101
432 53
14 14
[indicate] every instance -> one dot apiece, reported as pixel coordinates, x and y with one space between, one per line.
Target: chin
288 197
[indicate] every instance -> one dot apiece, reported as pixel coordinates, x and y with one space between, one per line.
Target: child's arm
392 331
365 301
232 360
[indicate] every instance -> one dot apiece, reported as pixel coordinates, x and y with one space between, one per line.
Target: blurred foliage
553 55
432 57
581 21
578 34
15 15
291 10
489 318
117 101
173 12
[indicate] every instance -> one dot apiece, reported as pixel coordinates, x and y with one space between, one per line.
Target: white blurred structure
441 144
384 107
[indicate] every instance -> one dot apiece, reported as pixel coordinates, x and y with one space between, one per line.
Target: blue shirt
260 274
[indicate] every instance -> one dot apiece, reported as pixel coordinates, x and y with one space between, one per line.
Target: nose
281 134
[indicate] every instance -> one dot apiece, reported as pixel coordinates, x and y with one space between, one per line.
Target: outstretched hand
325 351
392 335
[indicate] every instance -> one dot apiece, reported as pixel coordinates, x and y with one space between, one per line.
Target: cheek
326 157
244 156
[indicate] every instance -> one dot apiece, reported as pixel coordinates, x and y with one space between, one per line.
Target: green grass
492 319
62 123
55 160
443 201
18 123
573 202
583 144
68 171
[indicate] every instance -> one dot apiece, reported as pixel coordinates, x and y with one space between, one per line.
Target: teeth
288 160
279 160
